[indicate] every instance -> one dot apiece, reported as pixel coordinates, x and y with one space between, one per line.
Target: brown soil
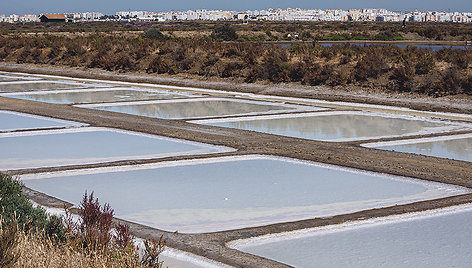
212 245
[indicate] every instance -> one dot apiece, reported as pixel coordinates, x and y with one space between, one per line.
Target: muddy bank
455 104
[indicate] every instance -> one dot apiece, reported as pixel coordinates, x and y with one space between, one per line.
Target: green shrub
154 34
388 36
15 206
224 32
54 229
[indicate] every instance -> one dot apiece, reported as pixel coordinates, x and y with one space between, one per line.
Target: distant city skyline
110 7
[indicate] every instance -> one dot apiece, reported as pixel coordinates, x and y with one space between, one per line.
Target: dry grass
34 250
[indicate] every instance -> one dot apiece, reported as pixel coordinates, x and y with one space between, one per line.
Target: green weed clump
16 207
154 34
225 32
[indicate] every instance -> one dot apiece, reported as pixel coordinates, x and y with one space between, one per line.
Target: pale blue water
333 127
429 47
100 96
233 194
458 149
7 79
440 241
20 87
16 121
46 150
194 109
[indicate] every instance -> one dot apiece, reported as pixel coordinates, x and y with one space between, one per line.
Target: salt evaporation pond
13 121
180 259
216 194
198 108
421 46
364 44
9 78
89 145
338 125
5 78
432 239
170 261
21 86
458 147
98 95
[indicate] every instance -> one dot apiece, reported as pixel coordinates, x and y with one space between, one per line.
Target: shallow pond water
437 240
458 147
234 192
181 259
337 126
199 108
89 145
171 261
12 121
98 95
421 46
24 86
9 78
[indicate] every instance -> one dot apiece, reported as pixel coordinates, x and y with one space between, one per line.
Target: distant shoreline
400 42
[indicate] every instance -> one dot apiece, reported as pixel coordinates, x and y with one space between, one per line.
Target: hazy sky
111 6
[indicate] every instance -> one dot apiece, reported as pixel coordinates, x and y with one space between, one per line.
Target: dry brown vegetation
384 67
36 250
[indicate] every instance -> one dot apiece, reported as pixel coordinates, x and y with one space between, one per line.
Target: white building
289 14
91 16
